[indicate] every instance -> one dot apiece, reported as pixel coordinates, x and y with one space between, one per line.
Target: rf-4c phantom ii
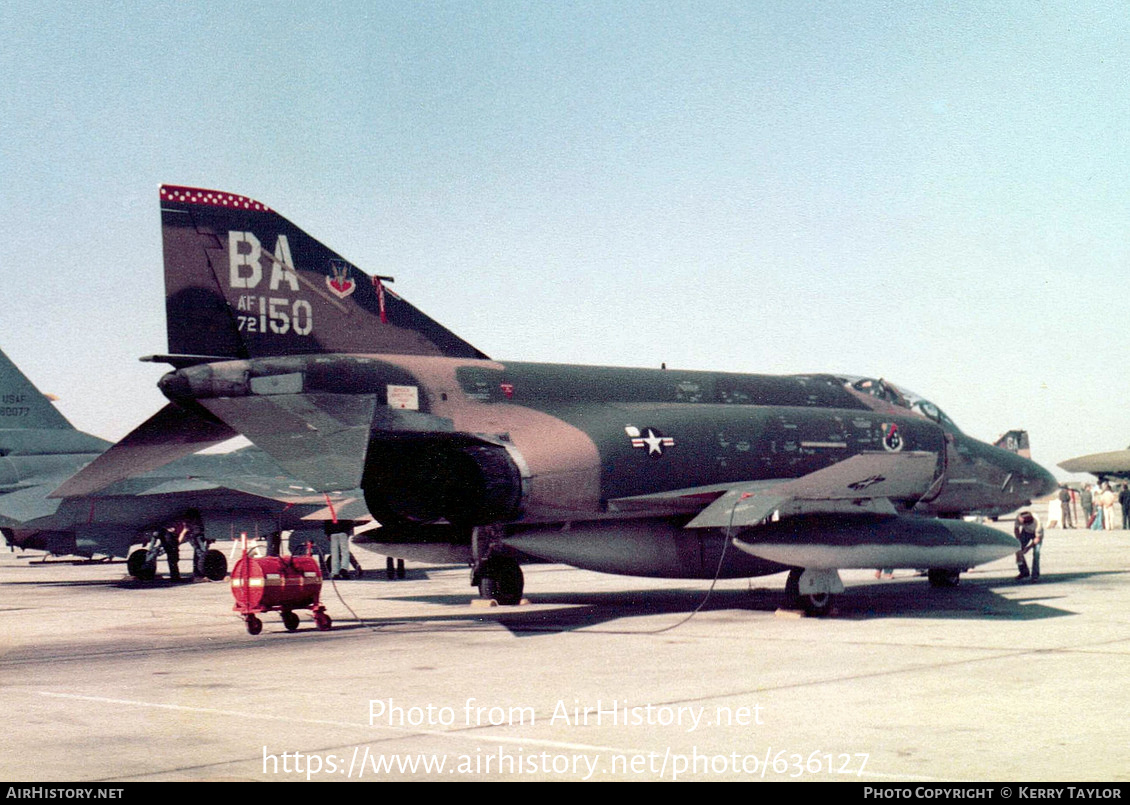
634 471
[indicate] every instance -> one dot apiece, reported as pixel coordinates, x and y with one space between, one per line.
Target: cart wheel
254 625
323 621
290 620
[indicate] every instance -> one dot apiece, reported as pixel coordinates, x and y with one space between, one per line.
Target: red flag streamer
333 514
380 299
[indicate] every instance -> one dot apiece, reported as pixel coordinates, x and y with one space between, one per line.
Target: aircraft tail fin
241 281
1015 441
30 424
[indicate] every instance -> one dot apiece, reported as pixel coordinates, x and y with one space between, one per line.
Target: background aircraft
633 471
243 491
1115 464
1015 441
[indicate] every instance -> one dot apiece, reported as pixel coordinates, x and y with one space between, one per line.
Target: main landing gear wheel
323 621
816 604
290 621
254 625
213 566
501 579
942 577
139 568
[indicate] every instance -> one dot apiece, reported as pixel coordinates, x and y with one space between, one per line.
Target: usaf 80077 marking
667 473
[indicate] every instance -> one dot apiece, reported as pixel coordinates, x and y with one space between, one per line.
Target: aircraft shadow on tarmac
975 599
569 610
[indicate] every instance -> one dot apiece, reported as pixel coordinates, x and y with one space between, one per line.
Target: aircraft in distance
242 491
649 472
1115 464
1015 441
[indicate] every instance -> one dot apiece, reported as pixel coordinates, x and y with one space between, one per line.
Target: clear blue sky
934 193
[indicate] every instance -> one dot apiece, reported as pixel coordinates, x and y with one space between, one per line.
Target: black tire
488 588
214 566
400 569
254 625
792 584
139 568
323 621
818 604
290 620
502 581
941 578
390 568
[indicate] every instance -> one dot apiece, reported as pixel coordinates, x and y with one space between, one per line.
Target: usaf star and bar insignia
649 438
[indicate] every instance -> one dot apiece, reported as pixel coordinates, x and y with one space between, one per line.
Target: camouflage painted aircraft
1104 466
664 473
242 491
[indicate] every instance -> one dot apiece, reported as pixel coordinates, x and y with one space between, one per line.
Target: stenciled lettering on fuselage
649 438
271 309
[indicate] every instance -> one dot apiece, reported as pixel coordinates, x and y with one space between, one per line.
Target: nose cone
1045 481
1033 480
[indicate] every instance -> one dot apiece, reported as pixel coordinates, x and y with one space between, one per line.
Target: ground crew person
1030 533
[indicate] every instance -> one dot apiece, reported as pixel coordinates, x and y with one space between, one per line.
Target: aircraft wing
225 475
294 493
347 505
29 503
866 483
1116 462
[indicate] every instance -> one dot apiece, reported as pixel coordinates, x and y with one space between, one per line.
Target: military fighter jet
1115 464
1015 441
665 473
239 492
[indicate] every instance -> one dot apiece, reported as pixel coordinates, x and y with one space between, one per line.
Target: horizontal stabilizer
169 434
320 438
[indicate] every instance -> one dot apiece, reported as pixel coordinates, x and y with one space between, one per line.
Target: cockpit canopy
885 390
